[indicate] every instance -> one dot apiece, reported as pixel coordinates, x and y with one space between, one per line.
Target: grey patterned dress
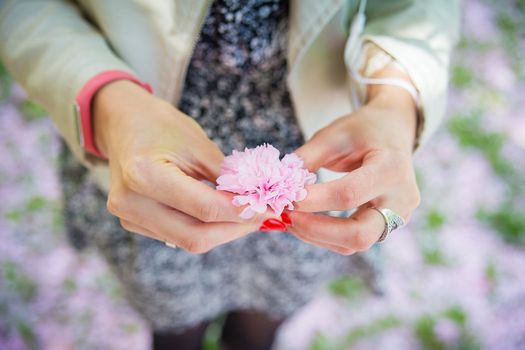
235 88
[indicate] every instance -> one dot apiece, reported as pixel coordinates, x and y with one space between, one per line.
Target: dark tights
189 340
242 330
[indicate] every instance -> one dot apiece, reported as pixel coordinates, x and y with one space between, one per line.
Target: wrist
111 107
399 96
396 100
397 104
397 114
84 106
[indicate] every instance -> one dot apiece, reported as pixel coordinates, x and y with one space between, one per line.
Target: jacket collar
307 19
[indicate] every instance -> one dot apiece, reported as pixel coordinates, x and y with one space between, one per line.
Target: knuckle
144 220
116 203
405 176
401 165
348 197
112 205
356 187
135 172
128 226
196 245
415 199
407 218
346 252
304 235
360 241
209 212
408 175
341 250
318 134
125 225
348 241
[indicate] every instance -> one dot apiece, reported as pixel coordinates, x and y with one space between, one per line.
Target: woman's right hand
157 157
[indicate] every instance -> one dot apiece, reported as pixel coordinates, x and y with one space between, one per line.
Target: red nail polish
286 219
275 224
264 229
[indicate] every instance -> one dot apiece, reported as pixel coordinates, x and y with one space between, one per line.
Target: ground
453 279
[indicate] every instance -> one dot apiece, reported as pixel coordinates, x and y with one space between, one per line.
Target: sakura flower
261 179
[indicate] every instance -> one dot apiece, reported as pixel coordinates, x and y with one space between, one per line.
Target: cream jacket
53 47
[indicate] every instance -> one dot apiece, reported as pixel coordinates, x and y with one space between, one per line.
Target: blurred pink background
454 279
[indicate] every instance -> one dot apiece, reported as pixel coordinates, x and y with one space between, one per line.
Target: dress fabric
235 88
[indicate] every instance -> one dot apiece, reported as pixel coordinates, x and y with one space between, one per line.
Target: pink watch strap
84 104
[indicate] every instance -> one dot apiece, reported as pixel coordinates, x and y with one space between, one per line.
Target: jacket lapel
307 19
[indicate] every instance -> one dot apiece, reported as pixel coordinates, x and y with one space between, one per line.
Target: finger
196 236
313 153
358 232
332 247
364 227
327 147
167 184
174 226
352 190
210 162
131 227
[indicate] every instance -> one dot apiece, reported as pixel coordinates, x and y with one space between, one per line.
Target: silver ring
169 244
392 221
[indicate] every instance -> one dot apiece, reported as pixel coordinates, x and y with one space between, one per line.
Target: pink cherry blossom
262 179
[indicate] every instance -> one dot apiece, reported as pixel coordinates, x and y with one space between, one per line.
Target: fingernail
275 224
264 229
286 219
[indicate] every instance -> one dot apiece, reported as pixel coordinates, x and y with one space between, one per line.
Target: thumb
208 161
316 152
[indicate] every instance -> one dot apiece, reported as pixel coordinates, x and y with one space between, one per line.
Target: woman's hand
375 146
157 157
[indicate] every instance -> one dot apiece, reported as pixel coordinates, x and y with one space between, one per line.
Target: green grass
69 285
348 287
434 220
456 314
212 336
5 83
34 205
32 111
18 281
374 328
434 256
491 273
428 238
510 20
462 76
28 335
425 331
356 334
508 221
469 132
469 44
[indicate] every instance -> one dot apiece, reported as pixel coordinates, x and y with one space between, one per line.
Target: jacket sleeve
53 51
419 35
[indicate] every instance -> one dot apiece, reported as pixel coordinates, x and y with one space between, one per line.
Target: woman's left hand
374 145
